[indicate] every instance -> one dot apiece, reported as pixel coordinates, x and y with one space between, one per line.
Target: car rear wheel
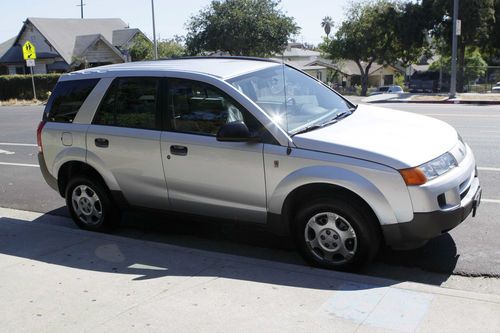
90 204
331 233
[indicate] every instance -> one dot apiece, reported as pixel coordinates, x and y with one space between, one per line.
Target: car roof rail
222 57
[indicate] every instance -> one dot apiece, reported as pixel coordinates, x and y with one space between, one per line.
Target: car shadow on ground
68 253
432 263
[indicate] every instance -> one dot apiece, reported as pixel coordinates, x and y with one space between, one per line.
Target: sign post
29 54
457 27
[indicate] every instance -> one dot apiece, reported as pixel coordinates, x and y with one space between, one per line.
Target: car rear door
124 140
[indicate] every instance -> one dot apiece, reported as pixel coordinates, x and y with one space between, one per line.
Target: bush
19 86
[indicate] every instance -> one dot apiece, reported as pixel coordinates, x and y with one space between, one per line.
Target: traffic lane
490 183
479 126
19 123
24 188
11 153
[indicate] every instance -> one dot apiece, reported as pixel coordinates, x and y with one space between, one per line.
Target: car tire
331 233
90 205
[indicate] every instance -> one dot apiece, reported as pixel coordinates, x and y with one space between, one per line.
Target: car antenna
288 148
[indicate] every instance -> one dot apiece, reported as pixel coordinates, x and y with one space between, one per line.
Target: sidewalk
57 279
466 98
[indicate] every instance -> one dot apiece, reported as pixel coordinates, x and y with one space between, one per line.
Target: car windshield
293 99
383 89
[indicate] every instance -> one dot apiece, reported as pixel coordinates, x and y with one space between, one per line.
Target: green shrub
19 86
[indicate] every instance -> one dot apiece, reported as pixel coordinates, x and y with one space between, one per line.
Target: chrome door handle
101 142
178 150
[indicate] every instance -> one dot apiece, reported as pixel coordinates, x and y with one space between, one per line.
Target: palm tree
327 24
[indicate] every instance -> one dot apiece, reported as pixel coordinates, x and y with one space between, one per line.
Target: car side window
199 108
129 102
67 98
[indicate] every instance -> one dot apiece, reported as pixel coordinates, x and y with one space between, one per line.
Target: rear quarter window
67 98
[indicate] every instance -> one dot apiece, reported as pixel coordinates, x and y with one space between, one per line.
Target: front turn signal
413 176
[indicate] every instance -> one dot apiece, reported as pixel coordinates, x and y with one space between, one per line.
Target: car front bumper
428 225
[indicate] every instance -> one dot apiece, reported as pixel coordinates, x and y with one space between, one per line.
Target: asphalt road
472 249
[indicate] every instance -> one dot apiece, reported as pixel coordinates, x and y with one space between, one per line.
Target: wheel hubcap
330 237
87 205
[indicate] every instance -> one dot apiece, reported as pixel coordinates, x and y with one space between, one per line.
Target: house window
319 75
388 79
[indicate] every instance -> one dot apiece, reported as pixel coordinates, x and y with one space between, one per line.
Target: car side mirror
236 131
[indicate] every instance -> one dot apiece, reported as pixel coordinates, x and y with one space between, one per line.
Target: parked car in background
254 141
387 90
427 81
496 88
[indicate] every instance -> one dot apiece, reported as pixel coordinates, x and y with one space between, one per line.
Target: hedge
19 86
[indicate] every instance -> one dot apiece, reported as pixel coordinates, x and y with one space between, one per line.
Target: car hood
393 138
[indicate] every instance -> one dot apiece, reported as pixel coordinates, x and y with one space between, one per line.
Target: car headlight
430 170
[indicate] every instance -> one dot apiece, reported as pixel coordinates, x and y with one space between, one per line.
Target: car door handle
101 142
178 150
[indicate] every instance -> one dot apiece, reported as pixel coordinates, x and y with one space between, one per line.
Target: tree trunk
364 83
364 76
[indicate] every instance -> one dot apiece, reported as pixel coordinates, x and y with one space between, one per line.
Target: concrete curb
436 102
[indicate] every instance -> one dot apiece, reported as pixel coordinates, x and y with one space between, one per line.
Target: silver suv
252 140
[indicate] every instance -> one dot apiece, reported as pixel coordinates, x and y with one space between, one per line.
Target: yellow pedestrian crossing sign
29 51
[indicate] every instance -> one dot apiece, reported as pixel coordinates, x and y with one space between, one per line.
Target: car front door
205 176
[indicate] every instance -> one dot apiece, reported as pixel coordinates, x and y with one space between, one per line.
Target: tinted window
199 108
129 102
67 98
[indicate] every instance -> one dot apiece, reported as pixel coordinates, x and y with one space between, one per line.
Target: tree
411 26
474 65
240 27
366 36
493 48
171 48
327 24
478 21
142 48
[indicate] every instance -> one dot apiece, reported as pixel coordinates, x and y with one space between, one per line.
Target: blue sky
170 15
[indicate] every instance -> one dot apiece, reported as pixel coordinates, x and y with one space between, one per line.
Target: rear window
67 98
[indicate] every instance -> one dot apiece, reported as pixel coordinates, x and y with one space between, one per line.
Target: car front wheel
331 233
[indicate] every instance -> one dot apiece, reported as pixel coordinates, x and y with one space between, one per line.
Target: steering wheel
290 101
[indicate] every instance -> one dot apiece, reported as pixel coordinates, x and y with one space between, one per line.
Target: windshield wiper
339 116
335 119
307 129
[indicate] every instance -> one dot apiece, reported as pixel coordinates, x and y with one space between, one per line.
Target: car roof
220 67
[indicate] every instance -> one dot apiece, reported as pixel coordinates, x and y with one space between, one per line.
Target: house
346 73
343 73
297 56
67 44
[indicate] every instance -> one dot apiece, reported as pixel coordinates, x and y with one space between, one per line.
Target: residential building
66 44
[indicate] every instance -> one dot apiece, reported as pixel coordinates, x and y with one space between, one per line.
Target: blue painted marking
383 307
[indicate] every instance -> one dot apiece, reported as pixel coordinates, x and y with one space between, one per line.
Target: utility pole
81 8
453 83
154 29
